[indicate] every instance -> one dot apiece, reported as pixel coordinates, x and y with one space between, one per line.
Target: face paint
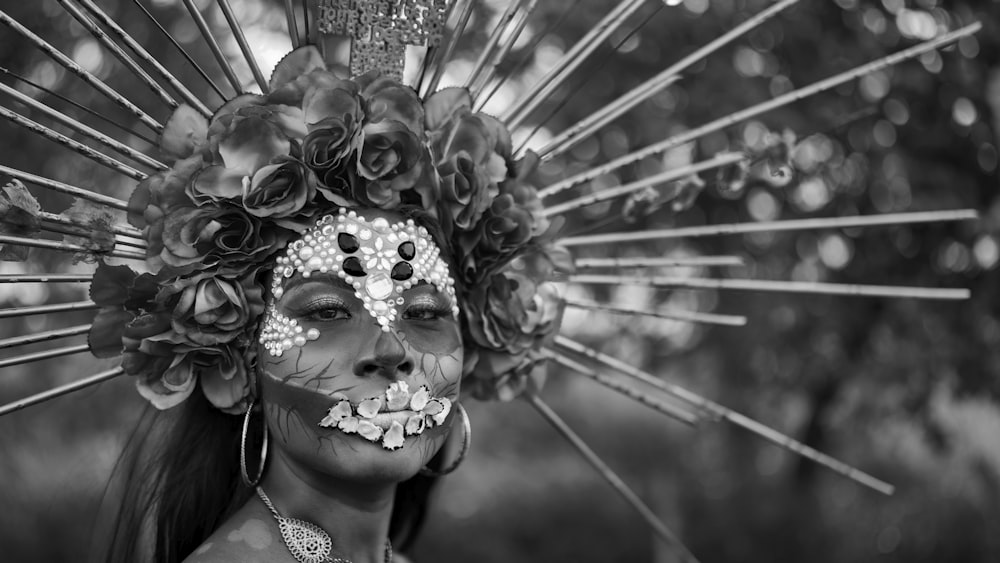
385 373
378 259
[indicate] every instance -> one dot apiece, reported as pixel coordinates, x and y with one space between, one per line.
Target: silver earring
243 451
466 441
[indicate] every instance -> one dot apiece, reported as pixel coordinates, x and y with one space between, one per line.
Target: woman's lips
390 417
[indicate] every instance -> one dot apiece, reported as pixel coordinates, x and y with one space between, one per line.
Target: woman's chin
367 461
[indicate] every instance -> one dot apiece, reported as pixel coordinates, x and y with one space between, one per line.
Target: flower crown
264 169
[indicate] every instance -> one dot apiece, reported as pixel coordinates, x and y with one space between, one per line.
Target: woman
306 280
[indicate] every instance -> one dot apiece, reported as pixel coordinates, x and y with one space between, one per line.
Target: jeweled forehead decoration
378 259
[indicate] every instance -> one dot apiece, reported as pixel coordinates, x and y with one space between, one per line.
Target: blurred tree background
904 389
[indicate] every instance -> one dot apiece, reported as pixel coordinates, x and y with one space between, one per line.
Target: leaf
184 133
295 64
105 336
18 217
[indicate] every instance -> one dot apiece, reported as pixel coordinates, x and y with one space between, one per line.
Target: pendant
307 542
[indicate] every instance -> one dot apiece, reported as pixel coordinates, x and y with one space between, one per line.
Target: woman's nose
390 357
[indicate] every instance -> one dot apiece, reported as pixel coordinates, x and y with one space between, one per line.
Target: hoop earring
244 474
466 441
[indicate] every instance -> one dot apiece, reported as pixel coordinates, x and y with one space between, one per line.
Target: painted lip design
391 417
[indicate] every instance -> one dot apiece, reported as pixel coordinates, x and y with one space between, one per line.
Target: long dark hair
180 480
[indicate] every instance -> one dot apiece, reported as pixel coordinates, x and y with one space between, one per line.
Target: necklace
307 542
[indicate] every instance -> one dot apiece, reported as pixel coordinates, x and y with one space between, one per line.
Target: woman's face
357 380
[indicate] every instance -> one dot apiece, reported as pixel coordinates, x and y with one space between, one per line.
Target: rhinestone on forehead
378 259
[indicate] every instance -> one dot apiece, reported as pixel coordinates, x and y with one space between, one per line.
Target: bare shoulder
249 536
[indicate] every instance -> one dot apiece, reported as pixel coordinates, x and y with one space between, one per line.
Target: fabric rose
227 237
510 320
221 370
504 229
391 159
466 192
210 309
281 191
389 100
245 144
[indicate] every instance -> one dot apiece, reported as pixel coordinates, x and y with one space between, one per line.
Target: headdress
210 225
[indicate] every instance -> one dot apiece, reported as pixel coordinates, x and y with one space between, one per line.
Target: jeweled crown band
378 259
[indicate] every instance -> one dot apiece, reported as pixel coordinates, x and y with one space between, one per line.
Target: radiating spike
47 309
67 247
449 47
658 262
45 278
213 45
181 50
145 56
92 154
241 40
672 314
566 64
59 219
728 414
43 336
79 127
512 8
484 77
673 411
293 27
102 37
813 288
769 105
44 355
719 161
611 477
82 233
78 106
306 25
61 390
569 138
77 70
53 185
777 226
87 232
529 50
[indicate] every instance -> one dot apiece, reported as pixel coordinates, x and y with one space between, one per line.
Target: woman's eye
425 312
328 314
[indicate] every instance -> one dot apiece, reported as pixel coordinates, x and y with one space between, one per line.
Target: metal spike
74 191
77 70
45 278
610 476
118 229
241 40
494 39
569 138
117 51
476 90
784 99
182 51
566 64
306 31
146 57
293 27
441 60
79 127
673 411
728 414
78 106
671 314
659 262
92 154
213 45
43 336
61 390
67 247
47 309
674 174
87 233
45 355
778 226
812 288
